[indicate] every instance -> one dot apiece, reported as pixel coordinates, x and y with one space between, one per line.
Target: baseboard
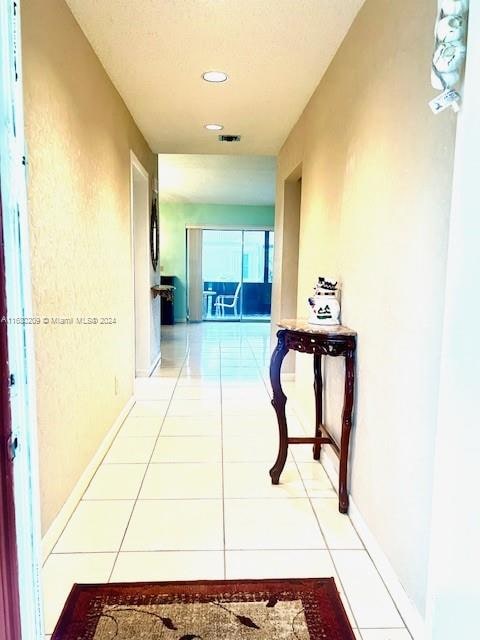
412 618
408 611
154 365
55 530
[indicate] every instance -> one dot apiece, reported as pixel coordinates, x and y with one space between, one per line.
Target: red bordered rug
212 610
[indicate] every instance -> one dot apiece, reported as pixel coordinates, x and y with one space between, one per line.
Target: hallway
184 491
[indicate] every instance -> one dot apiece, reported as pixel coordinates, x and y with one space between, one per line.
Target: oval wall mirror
154 235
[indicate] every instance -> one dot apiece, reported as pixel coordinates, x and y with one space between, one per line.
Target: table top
303 326
163 287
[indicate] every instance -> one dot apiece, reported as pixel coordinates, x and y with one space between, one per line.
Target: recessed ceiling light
214 127
214 76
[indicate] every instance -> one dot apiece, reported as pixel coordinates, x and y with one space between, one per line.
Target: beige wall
376 188
79 136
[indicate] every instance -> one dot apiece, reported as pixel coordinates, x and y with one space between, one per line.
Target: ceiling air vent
227 138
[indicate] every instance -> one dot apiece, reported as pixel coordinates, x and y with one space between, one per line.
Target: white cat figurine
324 306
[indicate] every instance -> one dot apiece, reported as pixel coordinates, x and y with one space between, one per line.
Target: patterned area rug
212 610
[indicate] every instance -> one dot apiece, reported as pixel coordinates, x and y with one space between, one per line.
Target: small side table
208 302
319 340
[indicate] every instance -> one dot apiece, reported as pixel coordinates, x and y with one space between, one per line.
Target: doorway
236 267
147 309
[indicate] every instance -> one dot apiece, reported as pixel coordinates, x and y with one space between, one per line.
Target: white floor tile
61 571
279 564
337 529
153 388
385 634
130 450
194 408
246 385
176 532
168 565
199 371
230 361
249 449
188 449
183 480
240 373
271 524
257 423
191 426
303 452
258 426
236 395
170 525
116 482
258 408
141 426
149 408
370 601
207 394
315 478
95 526
252 480
203 382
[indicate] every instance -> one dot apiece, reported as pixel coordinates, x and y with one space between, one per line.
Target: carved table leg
346 428
279 401
318 389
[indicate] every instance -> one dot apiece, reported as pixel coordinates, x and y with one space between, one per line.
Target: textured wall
376 175
174 217
79 136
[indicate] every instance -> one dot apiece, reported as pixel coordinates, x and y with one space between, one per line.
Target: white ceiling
275 52
217 179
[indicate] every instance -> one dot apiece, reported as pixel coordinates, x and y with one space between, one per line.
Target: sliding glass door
222 274
237 274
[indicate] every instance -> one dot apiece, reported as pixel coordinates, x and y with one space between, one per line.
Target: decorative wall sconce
450 51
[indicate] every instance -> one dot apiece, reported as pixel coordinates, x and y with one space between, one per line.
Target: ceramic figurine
324 306
450 52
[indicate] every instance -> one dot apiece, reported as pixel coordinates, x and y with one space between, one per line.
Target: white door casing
13 163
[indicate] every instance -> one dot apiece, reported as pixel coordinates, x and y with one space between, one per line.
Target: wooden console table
319 340
165 291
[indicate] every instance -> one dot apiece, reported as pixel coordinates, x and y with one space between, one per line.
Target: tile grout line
360 538
145 473
327 546
223 466
381 579
87 488
236 549
223 462
365 550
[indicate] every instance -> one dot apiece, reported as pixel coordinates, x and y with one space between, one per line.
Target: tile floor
184 491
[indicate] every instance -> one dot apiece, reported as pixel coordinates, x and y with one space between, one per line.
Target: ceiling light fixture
214 127
214 76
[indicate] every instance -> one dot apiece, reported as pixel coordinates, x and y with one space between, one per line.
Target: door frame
225 227
137 166
9 578
20 547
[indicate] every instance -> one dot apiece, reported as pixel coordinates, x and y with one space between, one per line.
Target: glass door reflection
222 274
237 271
